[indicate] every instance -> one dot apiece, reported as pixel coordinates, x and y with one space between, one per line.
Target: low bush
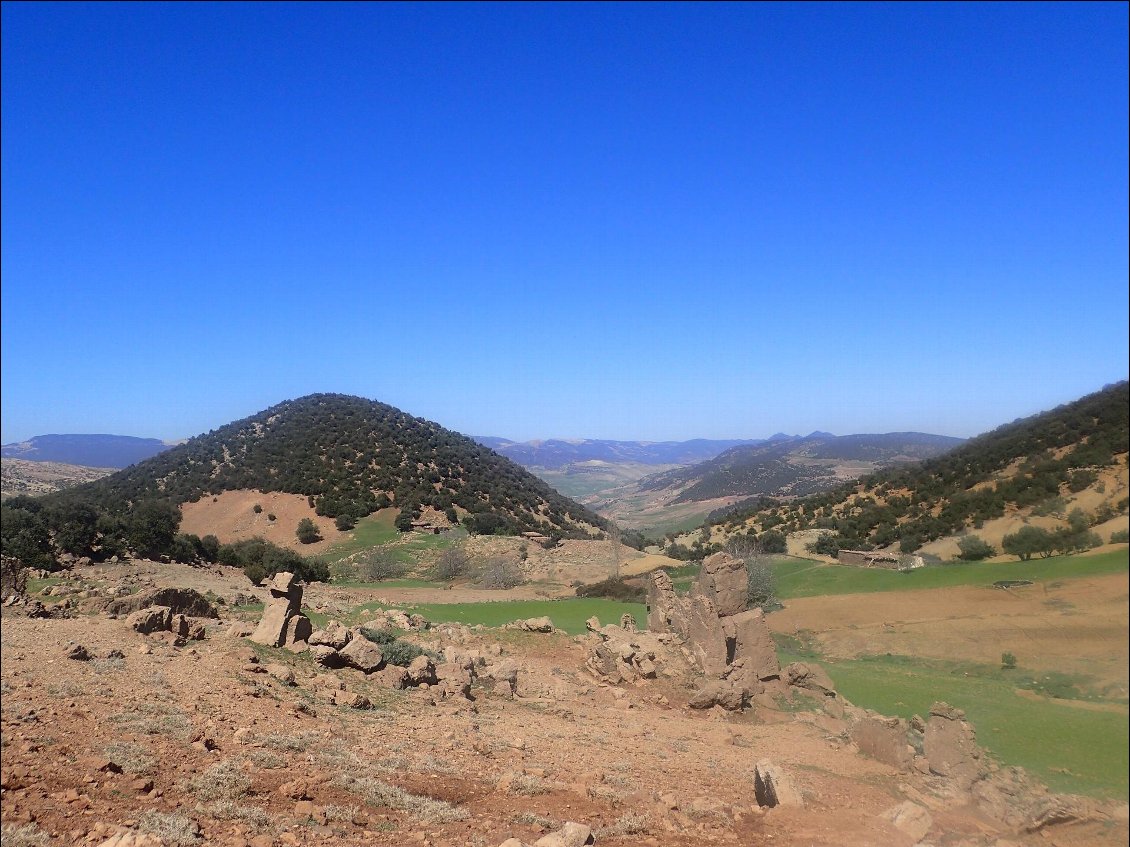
396 651
614 588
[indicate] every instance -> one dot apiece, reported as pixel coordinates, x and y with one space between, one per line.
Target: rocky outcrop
909 818
285 605
951 748
623 655
726 640
182 601
884 739
542 624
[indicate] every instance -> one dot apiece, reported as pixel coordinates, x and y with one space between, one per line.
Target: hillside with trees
348 456
1066 468
795 465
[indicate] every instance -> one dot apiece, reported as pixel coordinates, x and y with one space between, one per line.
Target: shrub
307 531
13 577
271 517
396 651
1122 536
826 544
257 508
452 563
1008 661
499 574
972 548
761 585
378 565
260 559
615 588
1028 541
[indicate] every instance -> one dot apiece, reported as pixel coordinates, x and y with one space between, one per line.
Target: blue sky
594 220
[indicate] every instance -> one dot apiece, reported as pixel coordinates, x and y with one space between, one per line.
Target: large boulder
811 677
151 619
333 635
884 739
362 654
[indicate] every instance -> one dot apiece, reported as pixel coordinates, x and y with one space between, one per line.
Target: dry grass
155 719
132 758
223 781
176 830
28 835
631 823
382 795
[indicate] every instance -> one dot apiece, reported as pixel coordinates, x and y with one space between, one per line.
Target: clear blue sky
611 221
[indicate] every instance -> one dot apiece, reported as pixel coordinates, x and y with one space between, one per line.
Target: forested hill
352 456
1021 468
795 465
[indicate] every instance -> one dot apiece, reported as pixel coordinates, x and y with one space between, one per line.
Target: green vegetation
1069 748
568 615
307 531
395 651
805 578
913 504
614 588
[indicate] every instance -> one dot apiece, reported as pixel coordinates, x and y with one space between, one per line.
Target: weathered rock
884 739
183 601
180 625
950 746
280 672
422 671
772 787
327 657
78 653
393 676
628 623
724 580
333 635
542 624
363 654
150 619
570 835
351 699
298 630
285 603
910 818
749 640
661 600
504 674
811 677
271 630
718 692
455 678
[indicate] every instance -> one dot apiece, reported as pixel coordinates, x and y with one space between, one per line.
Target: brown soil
1077 625
631 760
231 516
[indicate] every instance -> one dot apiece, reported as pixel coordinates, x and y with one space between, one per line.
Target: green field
379 530
568 615
805 578
1069 748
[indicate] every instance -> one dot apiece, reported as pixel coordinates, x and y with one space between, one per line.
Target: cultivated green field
805 578
1069 748
568 615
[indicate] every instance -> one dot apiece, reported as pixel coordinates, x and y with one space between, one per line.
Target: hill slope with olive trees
1063 471
351 456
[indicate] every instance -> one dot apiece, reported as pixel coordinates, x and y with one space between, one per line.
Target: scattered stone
910 818
78 653
280 672
542 624
570 835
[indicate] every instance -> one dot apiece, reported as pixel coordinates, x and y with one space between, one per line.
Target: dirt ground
231 516
210 746
1074 626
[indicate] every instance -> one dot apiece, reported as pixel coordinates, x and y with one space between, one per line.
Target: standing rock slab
725 581
749 634
285 603
772 787
151 619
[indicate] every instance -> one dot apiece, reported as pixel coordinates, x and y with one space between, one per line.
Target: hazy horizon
645 222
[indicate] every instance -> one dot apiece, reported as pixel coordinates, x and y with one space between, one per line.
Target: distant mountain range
555 454
92 451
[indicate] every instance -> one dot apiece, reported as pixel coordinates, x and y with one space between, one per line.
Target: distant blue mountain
93 451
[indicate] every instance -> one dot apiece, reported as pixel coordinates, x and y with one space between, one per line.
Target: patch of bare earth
231 517
196 743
